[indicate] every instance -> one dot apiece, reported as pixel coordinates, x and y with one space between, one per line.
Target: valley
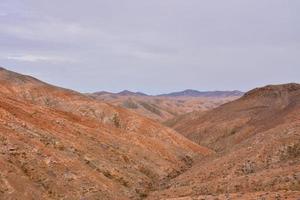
57 143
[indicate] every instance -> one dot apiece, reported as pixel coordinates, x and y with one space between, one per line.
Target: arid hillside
60 144
166 107
257 144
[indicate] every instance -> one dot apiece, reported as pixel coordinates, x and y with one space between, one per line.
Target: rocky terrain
257 144
60 144
167 106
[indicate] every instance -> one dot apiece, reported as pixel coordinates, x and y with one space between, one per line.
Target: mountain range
184 93
167 106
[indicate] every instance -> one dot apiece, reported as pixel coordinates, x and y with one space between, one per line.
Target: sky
152 46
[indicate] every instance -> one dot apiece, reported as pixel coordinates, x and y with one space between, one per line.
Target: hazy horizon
154 46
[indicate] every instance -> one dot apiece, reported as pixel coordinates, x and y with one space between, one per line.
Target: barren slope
162 108
59 144
257 140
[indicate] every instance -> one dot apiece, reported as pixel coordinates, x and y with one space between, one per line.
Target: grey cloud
152 46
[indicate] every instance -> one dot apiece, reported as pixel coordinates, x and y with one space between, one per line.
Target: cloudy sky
152 46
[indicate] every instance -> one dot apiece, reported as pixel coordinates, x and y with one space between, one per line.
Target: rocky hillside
59 144
257 142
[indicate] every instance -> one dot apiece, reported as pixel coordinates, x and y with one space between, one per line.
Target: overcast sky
152 46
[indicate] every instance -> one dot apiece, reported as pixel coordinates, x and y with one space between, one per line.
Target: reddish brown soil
257 140
59 144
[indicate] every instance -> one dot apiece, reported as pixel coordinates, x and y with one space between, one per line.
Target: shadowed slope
256 111
257 140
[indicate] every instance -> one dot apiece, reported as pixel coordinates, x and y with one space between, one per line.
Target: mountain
122 93
257 108
257 143
102 93
196 93
185 93
56 143
129 93
161 108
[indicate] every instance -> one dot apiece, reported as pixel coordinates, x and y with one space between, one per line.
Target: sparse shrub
116 120
122 181
107 174
125 158
142 193
290 151
115 177
188 161
248 167
294 150
147 172
233 131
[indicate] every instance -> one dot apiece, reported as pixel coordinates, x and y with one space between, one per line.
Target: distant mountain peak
184 93
122 93
130 93
196 93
